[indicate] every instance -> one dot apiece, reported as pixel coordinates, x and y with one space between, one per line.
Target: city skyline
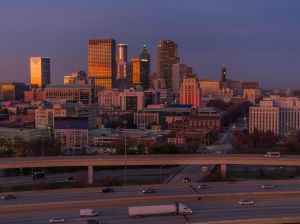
255 40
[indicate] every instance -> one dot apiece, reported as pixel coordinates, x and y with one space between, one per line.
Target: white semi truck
87 212
140 210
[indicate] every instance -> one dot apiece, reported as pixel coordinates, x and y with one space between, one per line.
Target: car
56 220
149 190
272 155
107 190
186 180
8 197
267 186
69 178
203 186
93 221
246 202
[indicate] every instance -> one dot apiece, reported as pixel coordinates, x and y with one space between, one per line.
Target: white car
56 220
267 186
246 202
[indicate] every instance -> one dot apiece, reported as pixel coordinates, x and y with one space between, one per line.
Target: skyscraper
39 72
136 71
166 57
122 62
145 68
223 73
102 63
190 92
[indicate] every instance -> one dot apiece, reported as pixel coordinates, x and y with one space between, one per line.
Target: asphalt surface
81 176
203 211
64 195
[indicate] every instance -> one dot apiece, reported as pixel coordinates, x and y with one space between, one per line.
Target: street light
125 152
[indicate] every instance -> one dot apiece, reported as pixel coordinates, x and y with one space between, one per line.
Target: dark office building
223 74
166 57
151 97
145 67
131 103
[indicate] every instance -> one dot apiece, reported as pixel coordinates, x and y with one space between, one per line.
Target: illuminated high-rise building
190 92
145 67
166 57
122 69
39 72
102 63
136 71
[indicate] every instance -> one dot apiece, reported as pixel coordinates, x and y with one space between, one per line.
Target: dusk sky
255 39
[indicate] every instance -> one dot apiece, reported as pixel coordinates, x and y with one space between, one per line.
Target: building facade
39 72
145 67
79 77
102 63
109 100
136 71
178 72
12 91
166 56
122 65
34 95
210 88
190 91
280 115
72 133
71 92
132 100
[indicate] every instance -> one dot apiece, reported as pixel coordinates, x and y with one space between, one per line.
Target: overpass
135 160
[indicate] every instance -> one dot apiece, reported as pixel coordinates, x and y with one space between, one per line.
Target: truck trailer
140 210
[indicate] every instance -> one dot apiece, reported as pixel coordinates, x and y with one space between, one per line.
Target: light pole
125 152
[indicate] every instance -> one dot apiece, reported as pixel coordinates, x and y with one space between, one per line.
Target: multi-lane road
218 202
203 212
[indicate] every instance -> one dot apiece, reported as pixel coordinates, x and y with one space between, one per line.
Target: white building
277 114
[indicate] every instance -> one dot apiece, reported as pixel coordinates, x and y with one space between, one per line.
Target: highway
140 174
203 211
216 188
131 160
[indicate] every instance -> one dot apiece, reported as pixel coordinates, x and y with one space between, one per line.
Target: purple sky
257 40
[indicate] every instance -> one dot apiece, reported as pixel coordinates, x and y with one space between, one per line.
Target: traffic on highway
199 198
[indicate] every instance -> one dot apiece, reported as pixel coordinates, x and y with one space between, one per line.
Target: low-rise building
72 133
72 92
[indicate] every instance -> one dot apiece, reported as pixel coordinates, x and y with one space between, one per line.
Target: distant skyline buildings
102 63
190 91
40 72
145 58
122 65
167 55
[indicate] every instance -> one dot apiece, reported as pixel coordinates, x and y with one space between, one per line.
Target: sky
255 39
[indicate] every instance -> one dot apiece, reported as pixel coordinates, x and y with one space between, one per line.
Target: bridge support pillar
90 174
223 170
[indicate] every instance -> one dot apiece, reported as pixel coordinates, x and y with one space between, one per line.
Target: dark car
93 221
69 178
149 190
186 180
8 197
107 190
